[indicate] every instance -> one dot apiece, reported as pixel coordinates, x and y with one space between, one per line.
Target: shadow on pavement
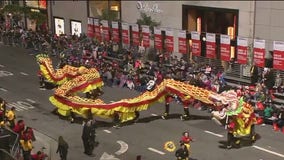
245 142
101 123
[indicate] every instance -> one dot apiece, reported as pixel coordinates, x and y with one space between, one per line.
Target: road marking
154 114
21 106
215 134
5 73
23 73
30 100
123 147
269 151
155 150
17 107
107 156
2 89
27 105
42 89
2 65
107 131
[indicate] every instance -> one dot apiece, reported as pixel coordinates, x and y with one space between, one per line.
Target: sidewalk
49 143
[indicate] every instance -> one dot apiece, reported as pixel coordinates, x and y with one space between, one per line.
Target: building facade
249 19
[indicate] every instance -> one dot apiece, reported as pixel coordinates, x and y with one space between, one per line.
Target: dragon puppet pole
227 119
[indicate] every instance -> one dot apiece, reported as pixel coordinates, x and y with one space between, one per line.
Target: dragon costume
71 80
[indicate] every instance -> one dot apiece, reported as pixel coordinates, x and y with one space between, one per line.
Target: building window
76 27
59 26
107 9
212 20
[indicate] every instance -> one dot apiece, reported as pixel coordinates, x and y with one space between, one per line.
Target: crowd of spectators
126 66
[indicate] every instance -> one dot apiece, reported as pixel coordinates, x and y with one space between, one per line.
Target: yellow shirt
26 145
10 115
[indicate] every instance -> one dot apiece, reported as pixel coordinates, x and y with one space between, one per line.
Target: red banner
106 35
182 47
135 35
259 52
145 36
115 31
90 30
125 33
195 43
97 29
169 40
225 48
210 45
158 38
242 50
278 55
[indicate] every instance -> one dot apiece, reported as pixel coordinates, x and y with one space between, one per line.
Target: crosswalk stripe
107 131
2 65
155 150
23 73
30 100
2 89
17 107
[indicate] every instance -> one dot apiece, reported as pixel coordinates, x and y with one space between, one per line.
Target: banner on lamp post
259 52
90 30
97 29
135 34
225 48
278 55
169 40
106 36
158 38
182 47
242 50
210 45
195 43
125 33
145 36
115 31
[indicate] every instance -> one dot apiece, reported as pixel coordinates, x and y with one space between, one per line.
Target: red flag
169 40
158 38
242 50
225 49
135 34
115 31
125 33
182 47
195 43
278 55
145 36
210 45
90 31
259 52
106 36
97 29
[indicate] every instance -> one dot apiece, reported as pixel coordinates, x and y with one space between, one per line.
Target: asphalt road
19 86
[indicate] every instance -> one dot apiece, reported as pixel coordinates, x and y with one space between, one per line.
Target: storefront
36 6
226 18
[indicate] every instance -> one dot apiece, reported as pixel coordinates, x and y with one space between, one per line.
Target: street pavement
20 87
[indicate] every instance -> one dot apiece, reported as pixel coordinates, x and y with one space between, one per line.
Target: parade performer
230 137
182 153
11 117
186 139
186 104
168 100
